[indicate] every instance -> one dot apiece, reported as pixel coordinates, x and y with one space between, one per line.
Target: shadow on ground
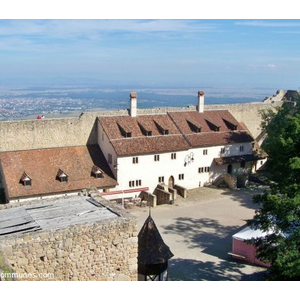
204 234
244 195
193 270
210 237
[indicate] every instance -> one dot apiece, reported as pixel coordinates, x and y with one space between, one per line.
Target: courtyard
199 232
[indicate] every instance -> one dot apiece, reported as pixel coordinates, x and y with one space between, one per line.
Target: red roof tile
209 136
140 142
183 130
43 166
157 144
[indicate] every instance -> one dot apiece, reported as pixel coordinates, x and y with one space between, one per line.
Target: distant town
31 102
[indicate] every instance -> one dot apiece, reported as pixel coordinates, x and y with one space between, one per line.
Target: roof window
162 129
25 180
97 172
144 130
194 127
126 132
213 126
62 176
230 125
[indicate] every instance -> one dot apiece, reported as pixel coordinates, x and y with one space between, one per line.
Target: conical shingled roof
151 247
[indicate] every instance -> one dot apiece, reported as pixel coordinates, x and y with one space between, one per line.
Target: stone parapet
103 250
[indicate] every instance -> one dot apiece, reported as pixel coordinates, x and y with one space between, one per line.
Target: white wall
148 170
107 149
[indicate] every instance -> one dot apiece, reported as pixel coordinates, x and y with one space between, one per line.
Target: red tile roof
217 128
139 142
156 144
184 130
43 165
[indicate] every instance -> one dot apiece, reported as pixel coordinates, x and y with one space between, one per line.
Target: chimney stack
200 107
133 104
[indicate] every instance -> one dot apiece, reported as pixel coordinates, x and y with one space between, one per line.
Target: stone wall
82 130
105 250
249 113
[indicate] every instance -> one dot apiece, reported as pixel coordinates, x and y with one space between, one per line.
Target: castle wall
105 250
249 113
82 130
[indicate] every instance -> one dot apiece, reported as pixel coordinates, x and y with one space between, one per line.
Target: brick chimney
200 107
133 104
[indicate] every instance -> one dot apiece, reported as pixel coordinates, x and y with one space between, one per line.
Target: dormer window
25 180
125 130
146 131
161 129
230 125
194 127
97 172
212 126
62 176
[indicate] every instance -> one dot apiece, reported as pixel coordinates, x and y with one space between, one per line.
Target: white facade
107 150
187 168
190 169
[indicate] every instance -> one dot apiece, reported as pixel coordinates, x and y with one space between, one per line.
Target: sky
151 52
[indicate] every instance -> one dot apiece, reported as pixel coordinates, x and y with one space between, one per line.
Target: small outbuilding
153 253
243 250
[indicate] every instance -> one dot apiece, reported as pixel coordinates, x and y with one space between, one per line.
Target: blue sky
174 52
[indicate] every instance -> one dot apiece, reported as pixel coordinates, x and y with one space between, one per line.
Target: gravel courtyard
199 232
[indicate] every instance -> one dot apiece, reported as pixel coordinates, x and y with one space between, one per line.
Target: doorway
171 182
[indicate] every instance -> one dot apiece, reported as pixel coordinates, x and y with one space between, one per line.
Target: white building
185 148
135 152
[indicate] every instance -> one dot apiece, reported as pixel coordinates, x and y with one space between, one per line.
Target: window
62 176
131 183
241 148
97 172
203 170
173 155
243 164
204 151
64 179
98 175
223 150
181 177
135 160
156 157
110 159
161 179
25 180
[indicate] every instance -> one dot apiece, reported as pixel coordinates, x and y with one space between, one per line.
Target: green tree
280 208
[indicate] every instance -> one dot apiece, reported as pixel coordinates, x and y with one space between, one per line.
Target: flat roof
248 233
52 215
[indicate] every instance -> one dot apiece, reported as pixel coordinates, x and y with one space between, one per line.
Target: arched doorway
171 182
229 169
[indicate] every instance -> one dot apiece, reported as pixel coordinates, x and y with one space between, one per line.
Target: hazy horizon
154 53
